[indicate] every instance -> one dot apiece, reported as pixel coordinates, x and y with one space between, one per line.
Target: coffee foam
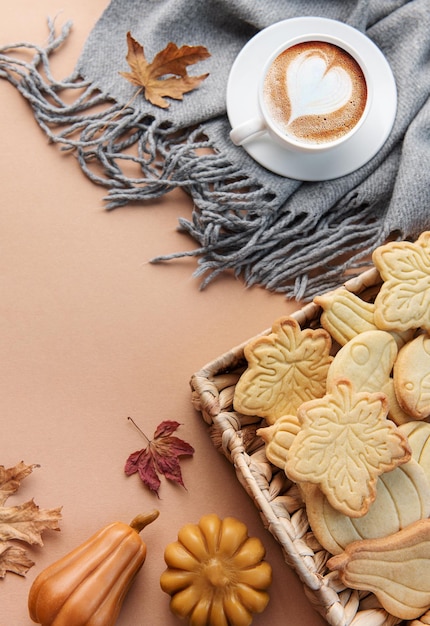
315 92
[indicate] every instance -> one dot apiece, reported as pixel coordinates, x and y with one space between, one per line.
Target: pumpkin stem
143 519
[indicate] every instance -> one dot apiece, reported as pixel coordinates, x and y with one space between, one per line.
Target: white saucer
242 103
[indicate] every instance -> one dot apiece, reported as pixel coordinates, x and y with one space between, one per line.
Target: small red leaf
166 428
160 456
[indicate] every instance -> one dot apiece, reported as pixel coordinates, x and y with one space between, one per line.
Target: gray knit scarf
291 237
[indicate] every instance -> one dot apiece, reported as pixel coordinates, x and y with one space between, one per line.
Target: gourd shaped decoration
87 587
216 574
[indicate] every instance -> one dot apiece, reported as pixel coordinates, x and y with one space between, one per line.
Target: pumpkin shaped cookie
279 437
402 497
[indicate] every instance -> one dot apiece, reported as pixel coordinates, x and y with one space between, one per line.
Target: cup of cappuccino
314 94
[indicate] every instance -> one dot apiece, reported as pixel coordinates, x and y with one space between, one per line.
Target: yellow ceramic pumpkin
216 574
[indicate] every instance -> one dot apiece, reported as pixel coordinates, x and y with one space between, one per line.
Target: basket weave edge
338 611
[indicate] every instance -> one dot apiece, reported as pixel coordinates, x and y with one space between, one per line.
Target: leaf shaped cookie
403 301
345 443
285 369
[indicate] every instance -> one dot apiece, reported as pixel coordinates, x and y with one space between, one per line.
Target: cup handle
246 130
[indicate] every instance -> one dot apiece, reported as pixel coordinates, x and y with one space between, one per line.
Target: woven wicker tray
276 497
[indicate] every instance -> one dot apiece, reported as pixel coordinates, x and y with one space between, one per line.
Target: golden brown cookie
285 368
395 568
411 377
278 438
345 443
418 434
366 360
403 301
345 315
402 497
395 411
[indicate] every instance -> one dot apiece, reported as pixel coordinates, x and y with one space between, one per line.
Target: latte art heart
315 92
315 89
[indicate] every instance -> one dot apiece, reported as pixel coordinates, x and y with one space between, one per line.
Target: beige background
91 333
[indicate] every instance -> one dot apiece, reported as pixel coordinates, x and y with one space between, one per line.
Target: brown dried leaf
166 75
14 559
26 522
10 479
23 522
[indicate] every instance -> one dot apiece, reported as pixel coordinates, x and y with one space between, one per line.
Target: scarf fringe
240 226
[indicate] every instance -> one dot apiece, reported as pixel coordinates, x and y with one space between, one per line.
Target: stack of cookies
347 408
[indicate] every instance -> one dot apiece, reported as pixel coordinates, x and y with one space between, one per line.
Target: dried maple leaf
160 456
10 479
23 522
14 559
166 75
26 522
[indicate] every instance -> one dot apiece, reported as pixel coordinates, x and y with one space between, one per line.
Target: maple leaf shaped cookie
344 444
285 368
403 301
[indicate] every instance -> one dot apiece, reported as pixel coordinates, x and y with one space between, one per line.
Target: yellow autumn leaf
166 75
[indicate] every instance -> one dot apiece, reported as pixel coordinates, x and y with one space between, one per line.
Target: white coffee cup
314 94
